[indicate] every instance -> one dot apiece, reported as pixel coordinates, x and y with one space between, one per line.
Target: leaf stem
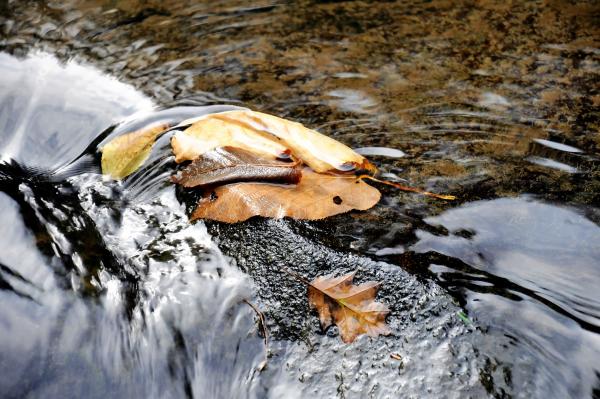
407 188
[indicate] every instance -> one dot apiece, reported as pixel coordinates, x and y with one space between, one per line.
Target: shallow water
107 290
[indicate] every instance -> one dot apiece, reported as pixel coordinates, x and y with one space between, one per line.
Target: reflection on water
520 256
557 146
550 163
380 151
352 101
107 289
50 113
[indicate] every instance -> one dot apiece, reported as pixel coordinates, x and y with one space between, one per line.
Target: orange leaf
317 196
351 307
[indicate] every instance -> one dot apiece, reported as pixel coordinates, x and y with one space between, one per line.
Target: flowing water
106 289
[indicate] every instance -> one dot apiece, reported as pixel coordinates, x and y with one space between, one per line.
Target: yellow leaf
317 196
124 154
266 134
209 133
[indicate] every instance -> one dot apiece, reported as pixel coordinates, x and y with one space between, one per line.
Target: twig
263 327
407 188
394 184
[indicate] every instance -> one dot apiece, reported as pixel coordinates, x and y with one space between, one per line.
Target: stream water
106 289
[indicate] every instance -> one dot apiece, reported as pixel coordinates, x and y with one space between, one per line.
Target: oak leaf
351 307
317 196
230 164
124 154
266 134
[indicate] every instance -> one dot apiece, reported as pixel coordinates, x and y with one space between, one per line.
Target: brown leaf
124 154
266 134
351 307
317 196
229 164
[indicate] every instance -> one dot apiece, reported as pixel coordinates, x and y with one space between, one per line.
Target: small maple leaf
351 307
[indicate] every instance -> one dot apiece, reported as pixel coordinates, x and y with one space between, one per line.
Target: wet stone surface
109 291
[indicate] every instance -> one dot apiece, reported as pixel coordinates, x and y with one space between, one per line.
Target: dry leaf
124 154
318 151
266 134
208 133
230 164
351 307
317 196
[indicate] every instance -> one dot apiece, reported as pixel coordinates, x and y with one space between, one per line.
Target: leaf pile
247 163
351 307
